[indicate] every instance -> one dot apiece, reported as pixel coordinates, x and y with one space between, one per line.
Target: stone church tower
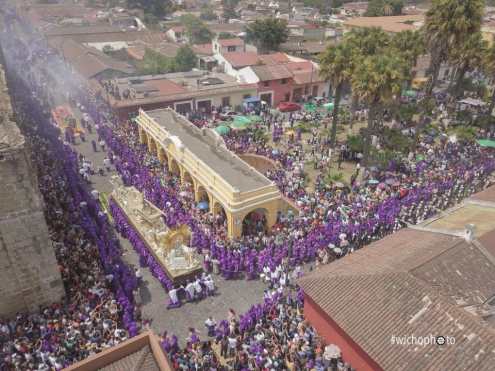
29 274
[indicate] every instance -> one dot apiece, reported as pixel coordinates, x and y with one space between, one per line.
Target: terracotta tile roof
274 72
203 49
88 61
388 24
411 282
167 87
304 72
274 58
140 360
241 59
231 42
142 352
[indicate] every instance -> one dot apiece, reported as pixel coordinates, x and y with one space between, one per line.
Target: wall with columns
235 204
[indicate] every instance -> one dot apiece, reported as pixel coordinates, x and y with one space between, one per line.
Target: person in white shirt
190 291
210 285
210 324
95 194
107 164
174 299
198 288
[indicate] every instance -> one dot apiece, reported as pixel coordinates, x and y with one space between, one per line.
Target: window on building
225 101
283 81
231 48
266 83
306 89
287 97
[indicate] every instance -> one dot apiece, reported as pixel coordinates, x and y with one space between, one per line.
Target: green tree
225 35
207 14
466 58
154 8
196 30
368 41
229 9
267 34
154 63
335 66
185 59
489 69
448 24
379 8
409 44
377 80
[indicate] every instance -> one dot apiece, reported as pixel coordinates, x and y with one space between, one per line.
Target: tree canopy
448 24
155 63
379 8
196 30
267 34
155 8
185 59
229 9
207 14
226 35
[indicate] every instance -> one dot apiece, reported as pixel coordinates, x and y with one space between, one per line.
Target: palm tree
364 42
409 44
367 41
466 58
448 24
377 80
489 68
335 66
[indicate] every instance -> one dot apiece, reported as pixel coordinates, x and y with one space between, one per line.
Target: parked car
288 107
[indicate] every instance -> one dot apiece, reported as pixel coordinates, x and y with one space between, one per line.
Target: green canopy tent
410 93
243 119
329 106
487 143
255 119
239 125
310 107
222 130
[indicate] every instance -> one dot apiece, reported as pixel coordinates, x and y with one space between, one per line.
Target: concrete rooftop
223 162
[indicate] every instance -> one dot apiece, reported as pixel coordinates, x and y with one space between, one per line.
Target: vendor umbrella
487 143
222 130
203 205
410 93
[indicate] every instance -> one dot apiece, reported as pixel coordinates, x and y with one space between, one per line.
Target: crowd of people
272 335
97 311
